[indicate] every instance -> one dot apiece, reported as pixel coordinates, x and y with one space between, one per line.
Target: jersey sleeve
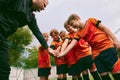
52 45
94 21
67 36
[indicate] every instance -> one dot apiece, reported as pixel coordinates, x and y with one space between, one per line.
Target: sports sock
96 75
79 78
106 77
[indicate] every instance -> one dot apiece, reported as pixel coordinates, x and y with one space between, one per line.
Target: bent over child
102 42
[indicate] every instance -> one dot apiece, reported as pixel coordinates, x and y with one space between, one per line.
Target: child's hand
60 54
52 52
56 52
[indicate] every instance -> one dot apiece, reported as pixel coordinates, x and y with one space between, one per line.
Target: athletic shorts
44 71
106 59
62 69
73 70
85 63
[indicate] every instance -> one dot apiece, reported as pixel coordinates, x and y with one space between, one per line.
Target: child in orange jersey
83 55
62 35
70 57
60 62
85 62
44 65
102 42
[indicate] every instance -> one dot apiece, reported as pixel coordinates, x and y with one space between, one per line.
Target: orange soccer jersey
43 58
96 38
82 49
60 60
70 56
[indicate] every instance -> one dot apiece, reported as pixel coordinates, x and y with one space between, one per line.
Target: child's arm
51 51
69 47
64 45
58 49
110 34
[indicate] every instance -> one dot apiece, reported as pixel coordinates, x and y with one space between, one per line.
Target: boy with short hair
44 65
70 57
82 54
60 62
102 42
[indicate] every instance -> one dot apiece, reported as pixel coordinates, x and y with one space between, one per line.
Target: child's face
69 28
46 37
75 24
55 37
62 35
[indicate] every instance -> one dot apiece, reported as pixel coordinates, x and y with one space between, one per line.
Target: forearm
41 39
34 28
64 45
59 48
70 46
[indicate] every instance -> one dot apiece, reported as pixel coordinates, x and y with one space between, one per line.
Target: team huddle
92 48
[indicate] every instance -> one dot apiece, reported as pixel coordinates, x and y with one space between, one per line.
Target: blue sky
57 11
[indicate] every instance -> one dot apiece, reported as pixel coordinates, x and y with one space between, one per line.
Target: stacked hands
55 53
58 54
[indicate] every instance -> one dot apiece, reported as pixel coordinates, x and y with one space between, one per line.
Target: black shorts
44 71
73 70
62 69
85 63
106 59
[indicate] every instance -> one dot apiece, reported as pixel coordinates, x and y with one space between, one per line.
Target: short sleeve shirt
96 38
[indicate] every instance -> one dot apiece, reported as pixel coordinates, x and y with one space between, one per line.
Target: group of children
92 48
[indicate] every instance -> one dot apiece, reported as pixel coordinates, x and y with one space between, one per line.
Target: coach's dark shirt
18 13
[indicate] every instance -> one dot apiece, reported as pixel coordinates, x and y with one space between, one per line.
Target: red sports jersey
70 56
60 60
82 49
43 58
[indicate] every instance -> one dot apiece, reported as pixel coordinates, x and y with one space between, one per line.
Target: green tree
32 60
17 42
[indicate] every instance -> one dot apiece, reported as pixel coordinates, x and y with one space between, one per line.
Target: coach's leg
4 61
